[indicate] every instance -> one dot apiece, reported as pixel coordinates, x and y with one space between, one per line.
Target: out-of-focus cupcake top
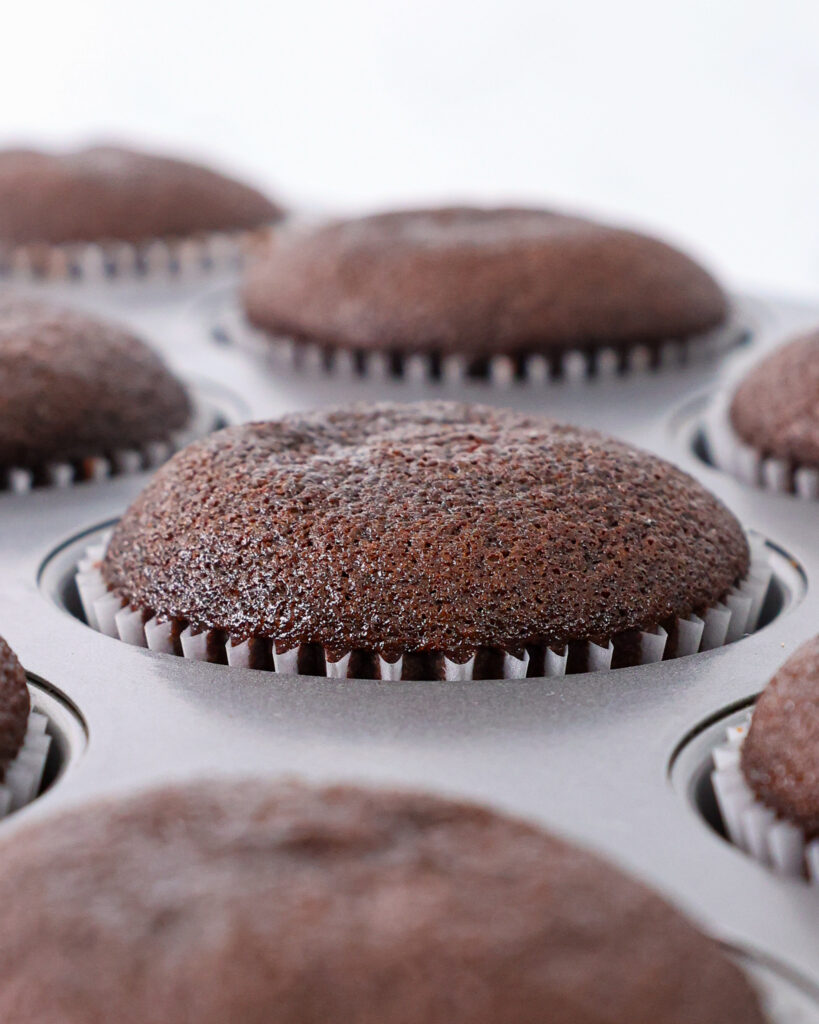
776 407
15 705
479 282
780 755
428 527
260 902
74 386
109 193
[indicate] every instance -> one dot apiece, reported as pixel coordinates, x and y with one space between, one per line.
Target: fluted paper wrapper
569 366
752 826
155 260
784 999
24 775
728 620
732 455
20 480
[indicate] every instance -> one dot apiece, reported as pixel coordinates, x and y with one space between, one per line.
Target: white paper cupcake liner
20 480
571 366
158 259
729 620
732 455
24 775
784 1000
750 824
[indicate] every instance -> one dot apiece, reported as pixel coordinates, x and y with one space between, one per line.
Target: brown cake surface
776 407
15 705
479 281
780 755
429 527
74 386
109 193
263 903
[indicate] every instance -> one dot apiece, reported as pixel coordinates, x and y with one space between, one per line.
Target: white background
699 119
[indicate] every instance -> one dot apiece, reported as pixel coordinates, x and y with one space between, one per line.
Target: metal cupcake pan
614 760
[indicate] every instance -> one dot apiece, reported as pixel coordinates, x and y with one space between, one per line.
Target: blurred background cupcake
258 901
467 292
766 432
766 776
83 398
110 212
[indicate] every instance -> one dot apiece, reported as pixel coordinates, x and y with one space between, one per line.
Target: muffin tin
616 760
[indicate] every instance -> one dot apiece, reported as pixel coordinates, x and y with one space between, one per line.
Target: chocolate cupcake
529 289
24 743
435 540
767 777
773 421
258 902
81 397
109 195
14 707
780 757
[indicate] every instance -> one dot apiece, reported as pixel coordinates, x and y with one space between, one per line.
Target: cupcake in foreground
771 437
423 541
259 902
525 288
81 397
24 743
112 195
767 775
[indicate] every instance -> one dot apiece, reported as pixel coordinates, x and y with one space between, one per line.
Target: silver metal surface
588 755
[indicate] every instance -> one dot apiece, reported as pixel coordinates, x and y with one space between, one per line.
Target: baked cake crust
107 193
776 407
479 282
429 527
259 902
74 386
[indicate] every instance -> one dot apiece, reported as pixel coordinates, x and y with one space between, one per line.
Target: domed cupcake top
15 705
776 407
479 281
74 386
108 193
234 901
429 527
780 755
